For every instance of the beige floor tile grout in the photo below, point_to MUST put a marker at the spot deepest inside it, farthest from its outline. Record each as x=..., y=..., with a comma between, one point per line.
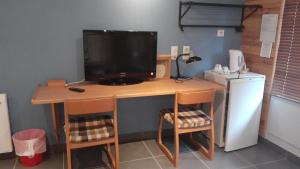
x=269, y=162
x=195, y=155
x=159, y=156
x=245, y=160
x=151, y=154
x=15, y=164
x=254, y=165
x=138, y=159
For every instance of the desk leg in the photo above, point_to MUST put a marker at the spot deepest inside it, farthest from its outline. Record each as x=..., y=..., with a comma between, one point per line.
x=56, y=121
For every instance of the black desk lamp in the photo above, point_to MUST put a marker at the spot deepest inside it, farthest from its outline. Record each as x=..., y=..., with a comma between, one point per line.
x=190, y=60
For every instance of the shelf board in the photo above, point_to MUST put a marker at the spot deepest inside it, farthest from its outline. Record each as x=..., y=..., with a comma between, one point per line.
x=238, y=28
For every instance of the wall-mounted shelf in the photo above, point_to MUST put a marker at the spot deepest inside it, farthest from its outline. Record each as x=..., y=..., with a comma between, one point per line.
x=189, y=4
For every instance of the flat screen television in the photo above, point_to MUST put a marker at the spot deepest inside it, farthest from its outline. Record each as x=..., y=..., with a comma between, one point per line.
x=119, y=57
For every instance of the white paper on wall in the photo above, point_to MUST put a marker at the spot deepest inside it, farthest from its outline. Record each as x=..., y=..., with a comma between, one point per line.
x=268, y=37
x=268, y=34
x=268, y=28
x=266, y=50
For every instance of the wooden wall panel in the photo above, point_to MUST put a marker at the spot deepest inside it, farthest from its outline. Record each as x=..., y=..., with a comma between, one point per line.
x=250, y=45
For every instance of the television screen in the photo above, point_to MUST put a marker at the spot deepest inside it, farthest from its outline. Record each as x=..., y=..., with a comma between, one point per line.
x=119, y=55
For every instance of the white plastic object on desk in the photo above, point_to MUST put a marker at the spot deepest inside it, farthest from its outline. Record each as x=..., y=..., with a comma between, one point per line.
x=236, y=60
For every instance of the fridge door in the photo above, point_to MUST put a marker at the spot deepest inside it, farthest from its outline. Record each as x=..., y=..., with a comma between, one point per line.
x=244, y=109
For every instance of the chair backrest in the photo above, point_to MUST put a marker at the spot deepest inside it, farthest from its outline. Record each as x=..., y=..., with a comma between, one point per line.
x=90, y=106
x=196, y=97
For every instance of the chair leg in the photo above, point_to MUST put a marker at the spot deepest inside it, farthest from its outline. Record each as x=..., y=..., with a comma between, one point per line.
x=111, y=158
x=211, y=150
x=159, y=134
x=169, y=155
x=69, y=157
x=207, y=152
x=176, y=148
x=117, y=161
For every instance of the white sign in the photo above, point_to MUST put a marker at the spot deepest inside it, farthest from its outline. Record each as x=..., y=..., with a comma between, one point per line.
x=268, y=28
x=268, y=34
x=266, y=50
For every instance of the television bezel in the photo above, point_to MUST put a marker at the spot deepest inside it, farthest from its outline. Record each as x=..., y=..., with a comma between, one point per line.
x=121, y=77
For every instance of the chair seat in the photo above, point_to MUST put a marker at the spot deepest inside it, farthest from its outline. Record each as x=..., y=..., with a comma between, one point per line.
x=188, y=117
x=85, y=129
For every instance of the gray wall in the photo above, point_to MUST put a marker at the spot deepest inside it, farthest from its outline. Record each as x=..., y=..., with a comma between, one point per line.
x=42, y=39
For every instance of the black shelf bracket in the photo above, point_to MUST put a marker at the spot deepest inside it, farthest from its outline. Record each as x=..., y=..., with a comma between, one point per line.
x=188, y=5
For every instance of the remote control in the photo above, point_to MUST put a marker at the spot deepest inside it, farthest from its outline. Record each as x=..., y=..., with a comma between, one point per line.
x=74, y=89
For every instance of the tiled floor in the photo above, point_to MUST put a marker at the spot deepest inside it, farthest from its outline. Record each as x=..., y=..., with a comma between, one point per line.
x=147, y=155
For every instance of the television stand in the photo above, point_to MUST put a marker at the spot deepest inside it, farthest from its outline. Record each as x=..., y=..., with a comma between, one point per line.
x=121, y=82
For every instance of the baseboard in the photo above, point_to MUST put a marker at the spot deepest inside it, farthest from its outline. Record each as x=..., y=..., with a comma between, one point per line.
x=4, y=156
x=293, y=158
x=123, y=138
x=272, y=145
x=290, y=156
x=284, y=144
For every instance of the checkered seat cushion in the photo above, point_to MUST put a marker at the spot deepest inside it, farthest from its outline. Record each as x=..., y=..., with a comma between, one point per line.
x=188, y=117
x=85, y=129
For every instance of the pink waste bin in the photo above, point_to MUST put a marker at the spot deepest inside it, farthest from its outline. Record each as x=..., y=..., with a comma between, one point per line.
x=29, y=146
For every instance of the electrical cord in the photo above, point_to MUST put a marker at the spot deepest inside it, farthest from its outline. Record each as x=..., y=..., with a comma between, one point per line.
x=239, y=73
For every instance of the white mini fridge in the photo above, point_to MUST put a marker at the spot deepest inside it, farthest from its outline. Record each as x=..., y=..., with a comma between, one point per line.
x=240, y=111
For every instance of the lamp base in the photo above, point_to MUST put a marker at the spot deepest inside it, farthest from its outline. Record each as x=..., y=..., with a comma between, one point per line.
x=181, y=78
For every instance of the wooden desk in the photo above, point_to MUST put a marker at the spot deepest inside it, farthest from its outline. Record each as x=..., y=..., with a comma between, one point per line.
x=54, y=95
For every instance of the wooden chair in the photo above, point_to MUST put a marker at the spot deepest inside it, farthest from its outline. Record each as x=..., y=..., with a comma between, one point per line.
x=85, y=131
x=188, y=118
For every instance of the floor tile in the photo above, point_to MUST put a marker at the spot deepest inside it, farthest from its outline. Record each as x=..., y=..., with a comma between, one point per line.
x=140, y=164
x=50, y=161
x=224, y=160
x=282, y=164
x=87, y=158
x=198, y=137
x=133, y=151
x=293, y=158
x=259, y=154
x=169, y=143
x=154, y=148
x=136, y=156
x=186, y=161
x=266, y=143
x=9, y=163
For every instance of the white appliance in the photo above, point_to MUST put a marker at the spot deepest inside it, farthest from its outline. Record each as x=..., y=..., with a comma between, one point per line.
x=5, y=134
x=240, y=109
x=236, y=60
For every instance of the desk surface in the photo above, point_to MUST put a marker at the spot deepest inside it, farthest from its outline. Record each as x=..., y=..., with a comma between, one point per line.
x=47, y=95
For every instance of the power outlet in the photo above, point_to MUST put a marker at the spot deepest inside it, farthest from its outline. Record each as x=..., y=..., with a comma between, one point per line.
x=220, y=33
x=186, y=50
x=174, y=52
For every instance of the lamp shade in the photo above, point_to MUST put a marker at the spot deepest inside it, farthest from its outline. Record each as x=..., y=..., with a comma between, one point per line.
x=193, y=59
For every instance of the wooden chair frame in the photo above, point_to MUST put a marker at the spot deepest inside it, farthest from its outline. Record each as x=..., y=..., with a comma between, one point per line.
x=92, y=106
x=186, y=98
